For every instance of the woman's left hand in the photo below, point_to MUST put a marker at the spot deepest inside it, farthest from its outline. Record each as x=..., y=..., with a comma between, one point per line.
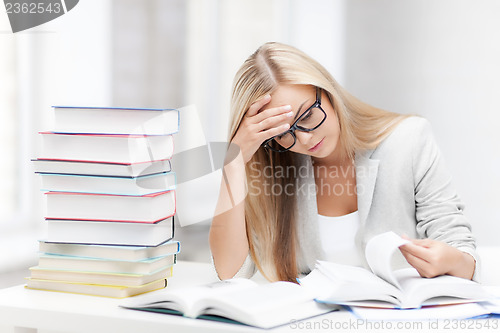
x=432, y=258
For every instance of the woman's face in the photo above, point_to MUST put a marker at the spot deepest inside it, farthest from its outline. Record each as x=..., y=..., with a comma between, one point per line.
x=323, y=141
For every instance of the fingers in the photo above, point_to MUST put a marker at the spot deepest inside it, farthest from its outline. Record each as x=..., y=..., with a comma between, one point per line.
x=426, y=242
x=260, y=124
x=269, y=133
x=270, y=122
x=419, y=264
x=269, y=119
x=274, y=122
x=256, y=106
x=283, y=111
x=257, y=115
x=415, y=250
x=425, y=256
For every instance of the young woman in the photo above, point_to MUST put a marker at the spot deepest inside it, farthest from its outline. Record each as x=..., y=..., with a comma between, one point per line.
x=321, y=172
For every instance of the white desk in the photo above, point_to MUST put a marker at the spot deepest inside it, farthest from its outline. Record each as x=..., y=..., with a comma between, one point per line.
x=33, y=311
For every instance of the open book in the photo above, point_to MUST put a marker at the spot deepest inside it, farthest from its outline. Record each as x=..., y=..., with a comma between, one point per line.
x=236, y=300
x=382, y=287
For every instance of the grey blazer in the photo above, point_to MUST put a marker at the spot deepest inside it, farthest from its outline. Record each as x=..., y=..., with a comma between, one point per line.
x=402, y=186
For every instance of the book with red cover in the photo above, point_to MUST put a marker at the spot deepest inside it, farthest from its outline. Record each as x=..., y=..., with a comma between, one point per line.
x=149, y=208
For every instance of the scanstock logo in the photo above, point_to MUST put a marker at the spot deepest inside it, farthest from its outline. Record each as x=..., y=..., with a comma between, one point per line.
x=26, y=14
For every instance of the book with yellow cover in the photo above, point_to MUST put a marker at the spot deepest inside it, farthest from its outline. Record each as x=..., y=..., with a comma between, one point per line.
x=95, y=289
x=102, y=278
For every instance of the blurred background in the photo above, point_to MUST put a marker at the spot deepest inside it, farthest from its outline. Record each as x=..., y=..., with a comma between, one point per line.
x=435, y=58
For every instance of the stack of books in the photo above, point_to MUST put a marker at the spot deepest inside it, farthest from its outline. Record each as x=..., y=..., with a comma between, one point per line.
x=111, y=201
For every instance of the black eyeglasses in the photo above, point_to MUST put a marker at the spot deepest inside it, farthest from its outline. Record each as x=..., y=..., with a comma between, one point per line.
x=311, y=119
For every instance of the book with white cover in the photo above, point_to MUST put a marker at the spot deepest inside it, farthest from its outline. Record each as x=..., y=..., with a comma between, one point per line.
x=146, y=266
x=110, y=252
x=110, y=233
x=141, y=185
x=240, y=301
x=101, y=168
x=384, y=288
x=106, y=147
x=75, y=119
x=149, y=208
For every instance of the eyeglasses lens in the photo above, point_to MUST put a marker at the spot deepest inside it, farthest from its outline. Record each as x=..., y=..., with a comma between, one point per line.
x=308, y=121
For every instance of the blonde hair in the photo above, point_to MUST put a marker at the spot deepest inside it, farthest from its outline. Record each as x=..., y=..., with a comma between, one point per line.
x=271, y=219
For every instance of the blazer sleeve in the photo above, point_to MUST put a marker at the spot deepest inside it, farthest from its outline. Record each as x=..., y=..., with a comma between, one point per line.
x=247, y=269
x=439, y=210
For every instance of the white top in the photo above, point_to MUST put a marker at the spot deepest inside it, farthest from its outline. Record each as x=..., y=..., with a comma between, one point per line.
x=337, y=238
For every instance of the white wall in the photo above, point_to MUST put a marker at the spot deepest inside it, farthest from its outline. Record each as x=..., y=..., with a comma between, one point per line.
x=439, y=59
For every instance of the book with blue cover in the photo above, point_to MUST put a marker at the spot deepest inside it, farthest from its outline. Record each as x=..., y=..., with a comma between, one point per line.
x=110, y=148
x=67, y=167
x=109, y=120
x=141, y=185
x=128, y=252
x=145, y=266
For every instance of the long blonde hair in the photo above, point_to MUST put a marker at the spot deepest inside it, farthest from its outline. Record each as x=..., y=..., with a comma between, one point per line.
x=271, y=217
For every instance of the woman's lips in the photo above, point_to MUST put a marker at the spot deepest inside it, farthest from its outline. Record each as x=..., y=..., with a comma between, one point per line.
x=316, y=147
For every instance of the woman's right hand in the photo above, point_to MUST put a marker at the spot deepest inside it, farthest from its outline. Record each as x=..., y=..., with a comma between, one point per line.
x=259, y=125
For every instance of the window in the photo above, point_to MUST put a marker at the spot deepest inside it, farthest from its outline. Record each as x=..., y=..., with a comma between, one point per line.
x=65, y=61
x=8, y=123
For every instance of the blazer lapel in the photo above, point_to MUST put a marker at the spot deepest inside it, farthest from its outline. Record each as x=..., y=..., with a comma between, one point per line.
x=366, y=175
x=308, y=235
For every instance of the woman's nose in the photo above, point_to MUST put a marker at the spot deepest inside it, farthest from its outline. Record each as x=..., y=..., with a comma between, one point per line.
x=303, y=137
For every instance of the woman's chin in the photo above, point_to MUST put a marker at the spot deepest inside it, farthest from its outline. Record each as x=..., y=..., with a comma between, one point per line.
x=326, y=152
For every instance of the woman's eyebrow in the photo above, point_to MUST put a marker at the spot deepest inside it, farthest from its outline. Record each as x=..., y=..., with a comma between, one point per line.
x=298, y=111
